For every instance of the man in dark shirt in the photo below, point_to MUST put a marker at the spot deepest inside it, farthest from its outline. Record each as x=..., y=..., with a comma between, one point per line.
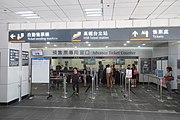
x=75, y=80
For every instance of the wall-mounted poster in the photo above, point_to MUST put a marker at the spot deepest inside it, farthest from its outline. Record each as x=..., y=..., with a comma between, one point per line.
x=145, y=65
x=25, y=58
x=90, y=61
x=13, y=57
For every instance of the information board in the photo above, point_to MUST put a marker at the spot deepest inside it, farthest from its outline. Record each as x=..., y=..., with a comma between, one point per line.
x=40, y=70
x=25, y=58
x=13, y=57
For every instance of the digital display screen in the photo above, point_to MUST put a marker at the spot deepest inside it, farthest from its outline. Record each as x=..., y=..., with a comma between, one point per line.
x=37, y=52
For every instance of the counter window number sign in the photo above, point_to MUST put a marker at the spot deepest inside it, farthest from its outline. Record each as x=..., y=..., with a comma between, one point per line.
x=128, y=73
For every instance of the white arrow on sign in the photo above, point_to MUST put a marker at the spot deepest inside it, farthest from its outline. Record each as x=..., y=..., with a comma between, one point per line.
x=135, y=33
x=12, y=36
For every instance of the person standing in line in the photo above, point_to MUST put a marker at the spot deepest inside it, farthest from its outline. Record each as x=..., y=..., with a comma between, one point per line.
x=167, y=79
x=85, y=75
x=134, y=75
x=75, y=81
x=113, y=74
x=108, y=76
x=100, y=71
x=58, y=68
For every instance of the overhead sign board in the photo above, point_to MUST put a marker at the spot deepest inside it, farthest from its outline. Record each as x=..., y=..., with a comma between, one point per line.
x=95, y=35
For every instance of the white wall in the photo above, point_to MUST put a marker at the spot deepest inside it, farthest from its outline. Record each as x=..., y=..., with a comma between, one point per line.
x=97, y=24
x=160, y=51
x=174, y=54
x=9, y=76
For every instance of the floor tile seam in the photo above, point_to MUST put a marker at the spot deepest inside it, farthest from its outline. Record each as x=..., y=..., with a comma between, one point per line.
x=98, y=109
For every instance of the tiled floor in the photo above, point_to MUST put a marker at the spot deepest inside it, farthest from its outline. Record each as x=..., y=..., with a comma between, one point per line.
x=108, y=105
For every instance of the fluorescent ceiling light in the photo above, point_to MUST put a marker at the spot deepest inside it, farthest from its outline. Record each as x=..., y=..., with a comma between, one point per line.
x=55, y=45
x=90, y=15
x=96, y=9
x=48, y=42
x=33, y=17
x=94, y=12
x=89, y=44
x=143, y=44
x=25, y=12
x=128, y=42
x=26, y=15
x=125, y=44
x=46, y=47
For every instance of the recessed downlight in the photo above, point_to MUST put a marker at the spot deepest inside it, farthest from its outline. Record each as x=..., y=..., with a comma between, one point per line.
x=125, y=44
x=89, y=44
x=128, y=42
x=139, y=46
x=143, y=44
x=48, y=43
x=55, y=45
x=46, y=47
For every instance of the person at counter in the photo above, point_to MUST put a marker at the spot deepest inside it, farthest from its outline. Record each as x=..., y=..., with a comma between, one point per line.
x=58, y=68
x=167, y=79
x=100, y=71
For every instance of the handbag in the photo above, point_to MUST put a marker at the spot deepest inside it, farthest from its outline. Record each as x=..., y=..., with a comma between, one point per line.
x=169, y=78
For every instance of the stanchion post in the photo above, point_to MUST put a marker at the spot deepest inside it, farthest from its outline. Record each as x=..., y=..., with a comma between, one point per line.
x=143, y=81
x=97, y=83
x=125, y=85
x=129, y=90
x=64, y=85
x=92, y=93
x=161, y=99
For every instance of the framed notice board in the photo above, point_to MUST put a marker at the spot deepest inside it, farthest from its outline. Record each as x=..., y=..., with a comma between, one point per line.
x=13, y=57
x=25, y=58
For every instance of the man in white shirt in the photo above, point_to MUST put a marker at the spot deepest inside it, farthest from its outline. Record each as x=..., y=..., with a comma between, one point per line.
x=108, y=76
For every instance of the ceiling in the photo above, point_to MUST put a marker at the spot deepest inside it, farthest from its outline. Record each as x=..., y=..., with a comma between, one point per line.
x=73, y=10
x=99, y=44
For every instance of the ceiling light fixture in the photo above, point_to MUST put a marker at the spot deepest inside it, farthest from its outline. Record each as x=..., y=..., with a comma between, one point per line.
x=46, y=47
x=48, y=42
x=139, y=46
x=143, y=44
x=125, y=44
x=25, y=12
x=106, y=46
x=93, y=9
x=55, y=45
x=33, y=17
x=89, y=44
x=93, y=12
x=94, y=15
x=26, y=15
x=75, y=47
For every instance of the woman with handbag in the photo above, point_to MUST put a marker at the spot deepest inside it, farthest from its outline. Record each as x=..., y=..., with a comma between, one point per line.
x=168, y=78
